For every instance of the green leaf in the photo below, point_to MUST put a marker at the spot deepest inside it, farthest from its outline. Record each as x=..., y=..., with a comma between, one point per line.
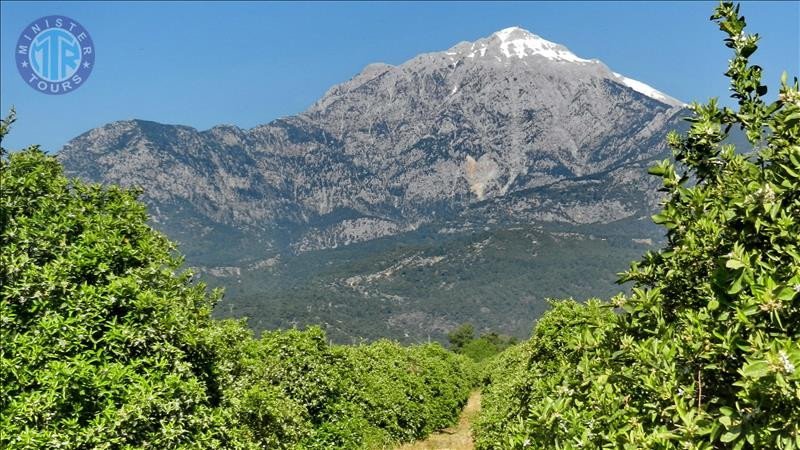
x=756, y=370
x=731, y=435
x=734, y=264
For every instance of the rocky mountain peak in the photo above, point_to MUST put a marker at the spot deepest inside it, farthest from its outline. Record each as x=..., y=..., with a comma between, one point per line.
x=516, y=48
x=482, y=146
x=512, y=123
x=515, y=43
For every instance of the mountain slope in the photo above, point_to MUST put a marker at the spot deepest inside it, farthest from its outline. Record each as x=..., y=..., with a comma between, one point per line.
x=423, y=283
x=510, y=129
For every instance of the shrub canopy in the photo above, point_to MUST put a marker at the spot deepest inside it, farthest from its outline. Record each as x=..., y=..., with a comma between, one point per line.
x=706, y=349
x=107, y=343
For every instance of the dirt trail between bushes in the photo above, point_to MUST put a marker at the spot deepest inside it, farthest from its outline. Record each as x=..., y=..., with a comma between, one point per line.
x=457, y=437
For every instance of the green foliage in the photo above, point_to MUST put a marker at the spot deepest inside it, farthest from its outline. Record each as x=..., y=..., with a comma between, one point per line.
x=499, y=278
x=460, y=336
x=408, y=392
x=100, y=330
x=705, y=350
x=291, y=388
x=108, y=344
x=480, y=349
x=462, y=340
x=521, y=398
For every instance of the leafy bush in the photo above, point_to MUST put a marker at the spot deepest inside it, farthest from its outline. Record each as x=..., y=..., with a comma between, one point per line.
x=463, y=341
x=704, y=354
x=520, y=383
x=292, y=388
x=407, y=392
x=108, y=344
x=100, y=331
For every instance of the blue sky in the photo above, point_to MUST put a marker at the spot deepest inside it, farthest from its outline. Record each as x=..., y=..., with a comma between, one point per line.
x=206, y=63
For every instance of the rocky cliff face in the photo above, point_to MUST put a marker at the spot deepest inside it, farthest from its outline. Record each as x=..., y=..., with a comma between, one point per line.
x=510, y=127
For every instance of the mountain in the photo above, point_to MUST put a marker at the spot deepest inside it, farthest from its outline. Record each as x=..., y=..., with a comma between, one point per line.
x=486, y=137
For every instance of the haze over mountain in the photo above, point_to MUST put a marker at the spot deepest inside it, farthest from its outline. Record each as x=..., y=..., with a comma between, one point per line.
x=508, y=142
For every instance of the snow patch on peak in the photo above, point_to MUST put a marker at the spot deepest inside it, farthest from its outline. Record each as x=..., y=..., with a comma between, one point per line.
x=516, y=41
x=510, y=32
x=647, y=90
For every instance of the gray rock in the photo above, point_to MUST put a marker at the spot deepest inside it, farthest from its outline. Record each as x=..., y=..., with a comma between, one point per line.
x=510, y=127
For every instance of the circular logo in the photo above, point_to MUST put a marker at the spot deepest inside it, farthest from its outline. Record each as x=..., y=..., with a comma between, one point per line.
x=55, y=55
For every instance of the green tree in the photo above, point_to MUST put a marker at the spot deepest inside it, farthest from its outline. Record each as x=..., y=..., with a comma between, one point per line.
x=486, y=346
x=100, y=329
x=720, y=304
x=460, y=336
x=479, y=349
x=706, y=350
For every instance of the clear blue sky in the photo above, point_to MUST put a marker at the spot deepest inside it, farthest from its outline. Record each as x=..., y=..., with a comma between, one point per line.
x=206, y=63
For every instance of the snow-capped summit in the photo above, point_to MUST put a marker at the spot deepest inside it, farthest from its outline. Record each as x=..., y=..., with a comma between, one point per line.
x=518, y=42
x=515, y=45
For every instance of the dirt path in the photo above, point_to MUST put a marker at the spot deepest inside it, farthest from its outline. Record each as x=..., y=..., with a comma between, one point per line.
x=453, y=438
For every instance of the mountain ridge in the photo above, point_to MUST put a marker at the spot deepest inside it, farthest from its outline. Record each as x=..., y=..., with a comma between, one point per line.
x=519, y=134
